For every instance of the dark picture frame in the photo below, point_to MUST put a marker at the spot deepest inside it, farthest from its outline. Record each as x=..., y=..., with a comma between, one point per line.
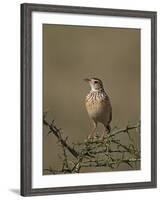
x=26, y=98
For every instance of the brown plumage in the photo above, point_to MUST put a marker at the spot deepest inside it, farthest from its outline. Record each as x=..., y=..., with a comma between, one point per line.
x=98, y=105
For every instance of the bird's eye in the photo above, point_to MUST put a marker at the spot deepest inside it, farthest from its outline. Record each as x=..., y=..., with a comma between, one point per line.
x=95, y=81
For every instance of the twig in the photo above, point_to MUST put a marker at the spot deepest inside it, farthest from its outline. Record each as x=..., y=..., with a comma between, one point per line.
x=56, y=132
x=96, y=152
x=124, y=130
x=107, y=162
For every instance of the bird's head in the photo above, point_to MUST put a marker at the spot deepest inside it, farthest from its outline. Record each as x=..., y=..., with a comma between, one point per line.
x=95, y=83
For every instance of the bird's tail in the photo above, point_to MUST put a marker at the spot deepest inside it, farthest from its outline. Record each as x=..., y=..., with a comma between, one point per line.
x=108, y=128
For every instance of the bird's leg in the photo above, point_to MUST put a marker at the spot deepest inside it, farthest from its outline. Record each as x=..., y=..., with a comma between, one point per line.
x=94, y=130
x=107, y=129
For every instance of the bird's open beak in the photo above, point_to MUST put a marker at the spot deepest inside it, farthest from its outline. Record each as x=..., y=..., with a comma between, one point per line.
x=87, y=79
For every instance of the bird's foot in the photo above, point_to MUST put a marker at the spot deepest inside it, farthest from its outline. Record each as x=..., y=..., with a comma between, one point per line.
x=89, y=137
x=101, y=138
x=96, y=136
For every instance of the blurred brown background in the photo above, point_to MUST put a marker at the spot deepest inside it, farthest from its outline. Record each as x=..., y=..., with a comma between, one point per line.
x=72, y=53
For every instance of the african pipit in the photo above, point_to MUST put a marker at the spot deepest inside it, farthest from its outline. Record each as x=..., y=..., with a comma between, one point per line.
x=98, y=106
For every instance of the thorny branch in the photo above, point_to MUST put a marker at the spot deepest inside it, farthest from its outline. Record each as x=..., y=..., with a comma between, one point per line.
x=108, y=152
x=53, y=129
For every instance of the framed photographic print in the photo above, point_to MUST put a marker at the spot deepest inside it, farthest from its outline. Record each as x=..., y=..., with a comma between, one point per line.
x=88, y=99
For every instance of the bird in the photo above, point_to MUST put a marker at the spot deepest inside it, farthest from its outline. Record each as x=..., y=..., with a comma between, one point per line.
x=98, y=106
